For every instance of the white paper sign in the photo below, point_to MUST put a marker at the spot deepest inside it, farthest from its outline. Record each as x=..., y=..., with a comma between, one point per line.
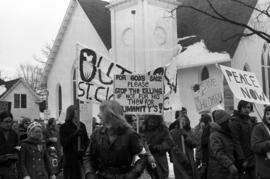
x=139, y=94
x=207, y=94
x=244, y=85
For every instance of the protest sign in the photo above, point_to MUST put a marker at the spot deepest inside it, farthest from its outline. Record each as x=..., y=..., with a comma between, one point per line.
x=96, y=72
x=244, y=85
x=95, y=78
x=139, y=94
x=207, y=94
x=5, y=106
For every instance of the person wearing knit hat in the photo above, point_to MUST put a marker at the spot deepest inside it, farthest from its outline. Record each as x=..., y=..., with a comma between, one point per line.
x=260, y=144
x=221, y=162
x=34, y=159
x=241, y=127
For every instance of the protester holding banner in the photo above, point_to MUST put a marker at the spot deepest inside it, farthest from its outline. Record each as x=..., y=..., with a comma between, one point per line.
x=221, y=163
x=74, y=139
x=159, y=142
x=113, y=147
x=8, y=143
x=175, y=124
x=260, y=143
x=183, y=160
x=241, y=127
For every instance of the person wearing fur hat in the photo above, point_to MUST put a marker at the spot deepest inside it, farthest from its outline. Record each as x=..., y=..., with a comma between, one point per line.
x=23, y=128
x=221, y=162
x=159, y=141
x=34, y=159
x=241, y=128
x=260, y=144
x=8, y=142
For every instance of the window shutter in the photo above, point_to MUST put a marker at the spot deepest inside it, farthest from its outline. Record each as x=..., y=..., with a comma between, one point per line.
x=16, y=100
x=23, y=101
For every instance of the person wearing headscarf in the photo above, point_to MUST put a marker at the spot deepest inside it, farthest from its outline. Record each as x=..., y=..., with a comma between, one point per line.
x=260, y=144
x=241, y=127
x=8, y=143
x=159, y=141
x=34, y=159
x=175, y=124
x=183, y=154
x=113, y=147
x=221, y=161
x=74, y=140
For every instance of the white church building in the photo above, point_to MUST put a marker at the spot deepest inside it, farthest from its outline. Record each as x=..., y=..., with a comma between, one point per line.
x=144, y=34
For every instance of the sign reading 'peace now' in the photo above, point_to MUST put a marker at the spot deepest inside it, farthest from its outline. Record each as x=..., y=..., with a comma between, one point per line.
x=244, y=85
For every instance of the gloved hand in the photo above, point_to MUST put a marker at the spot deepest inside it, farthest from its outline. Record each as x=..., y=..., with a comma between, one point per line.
x=233, y=171
x=26, y=177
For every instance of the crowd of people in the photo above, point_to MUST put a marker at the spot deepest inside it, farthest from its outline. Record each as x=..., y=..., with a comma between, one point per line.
x=221, y=146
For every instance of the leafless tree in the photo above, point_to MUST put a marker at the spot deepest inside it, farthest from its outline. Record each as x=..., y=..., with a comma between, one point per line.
x=211, y=9
x=30, y=74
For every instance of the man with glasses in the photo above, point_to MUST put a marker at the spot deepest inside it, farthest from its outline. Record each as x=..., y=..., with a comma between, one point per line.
x=241, y=127
x=8, y=143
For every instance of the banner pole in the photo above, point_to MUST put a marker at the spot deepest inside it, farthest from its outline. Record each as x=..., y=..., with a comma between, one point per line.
x=138, y=123
x=182, y=137
x=255, y=106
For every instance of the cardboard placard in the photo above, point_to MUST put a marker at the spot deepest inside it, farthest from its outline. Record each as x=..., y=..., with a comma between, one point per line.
x=207, y=94
x=244, y=85
x=140, y=94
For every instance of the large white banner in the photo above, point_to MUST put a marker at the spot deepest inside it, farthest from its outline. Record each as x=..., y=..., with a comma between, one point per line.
x=207, y=94
x=244, y=85
x=139, y=94
x=96, y=72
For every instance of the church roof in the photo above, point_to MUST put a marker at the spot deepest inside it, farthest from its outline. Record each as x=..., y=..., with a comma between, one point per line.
x=100, y=17
x=216, y=34
x=8, y=85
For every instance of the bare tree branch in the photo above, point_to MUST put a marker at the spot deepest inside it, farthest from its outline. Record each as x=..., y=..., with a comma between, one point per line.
x=218, y=16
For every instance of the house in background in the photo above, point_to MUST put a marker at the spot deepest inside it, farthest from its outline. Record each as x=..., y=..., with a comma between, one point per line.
x=24, y=100
x=142, y=32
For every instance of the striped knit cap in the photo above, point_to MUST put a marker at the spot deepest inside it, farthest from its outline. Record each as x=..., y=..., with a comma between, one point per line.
x=32, y=126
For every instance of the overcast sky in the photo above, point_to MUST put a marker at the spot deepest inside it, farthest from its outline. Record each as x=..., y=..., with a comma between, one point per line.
x=25, y=28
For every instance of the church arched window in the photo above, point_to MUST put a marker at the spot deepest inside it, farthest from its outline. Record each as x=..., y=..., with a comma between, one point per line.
x=204, y=74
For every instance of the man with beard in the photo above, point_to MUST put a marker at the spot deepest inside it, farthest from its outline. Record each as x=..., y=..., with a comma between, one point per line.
x=241, y=128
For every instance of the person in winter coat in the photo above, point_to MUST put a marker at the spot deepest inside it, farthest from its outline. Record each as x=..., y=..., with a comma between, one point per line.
x=8, y=143
x=241, y=127
x=159, y=141
x=34, y=159
x=113, y=147
x=198, y=130
x=74, y=140
x=183, y=161
x=260, y=144
x=221, y=162
x=175, y=124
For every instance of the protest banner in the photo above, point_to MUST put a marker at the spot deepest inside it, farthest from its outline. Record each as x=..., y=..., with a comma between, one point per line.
x=5, y=106
x=244, y=85
x=96, y=72
x=139, y=94
x=207, y=94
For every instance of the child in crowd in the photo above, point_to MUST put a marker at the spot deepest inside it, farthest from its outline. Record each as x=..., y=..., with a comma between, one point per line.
x=34, y=159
